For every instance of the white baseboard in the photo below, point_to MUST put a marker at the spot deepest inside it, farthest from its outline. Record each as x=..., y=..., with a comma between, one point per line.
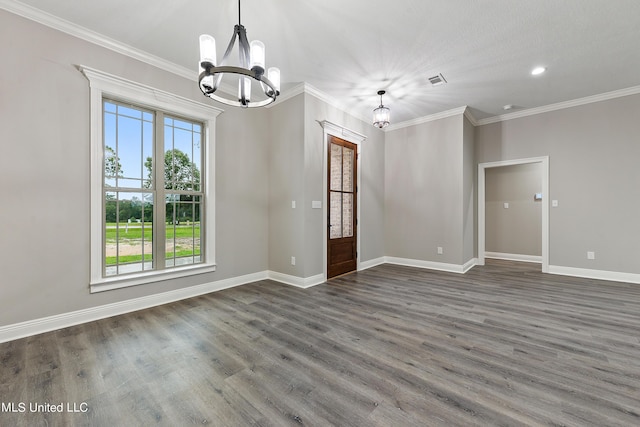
x=300, y=282
x=52, y=323
x=440, y=266
x=613, y=276
x=469, y=264
x=514, y=257
x=371, y=263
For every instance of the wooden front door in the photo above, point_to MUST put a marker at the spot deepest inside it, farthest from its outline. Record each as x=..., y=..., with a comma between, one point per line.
x=342, y=188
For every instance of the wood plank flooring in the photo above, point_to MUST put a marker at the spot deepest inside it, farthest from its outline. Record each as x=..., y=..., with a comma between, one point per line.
x=390, y=346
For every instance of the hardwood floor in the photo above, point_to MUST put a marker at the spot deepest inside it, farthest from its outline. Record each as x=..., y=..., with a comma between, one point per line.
x=389, y=346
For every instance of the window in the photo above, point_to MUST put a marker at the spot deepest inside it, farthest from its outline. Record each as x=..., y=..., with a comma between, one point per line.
x=141, y=168
x=152, y=186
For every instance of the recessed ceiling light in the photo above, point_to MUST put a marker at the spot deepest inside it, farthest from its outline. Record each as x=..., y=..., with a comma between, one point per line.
x=508, y=107
x=538, y=70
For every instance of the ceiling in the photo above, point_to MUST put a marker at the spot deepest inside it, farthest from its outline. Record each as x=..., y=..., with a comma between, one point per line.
x=349, y=49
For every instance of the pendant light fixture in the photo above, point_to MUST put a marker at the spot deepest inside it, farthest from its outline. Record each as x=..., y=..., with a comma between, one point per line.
x=382, y=114
x=251, y=69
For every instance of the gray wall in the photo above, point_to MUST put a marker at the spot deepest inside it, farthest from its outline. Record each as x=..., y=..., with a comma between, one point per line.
x=44, y=170
x=518, y=229
x=593, y=154
x=469, y=196
x=424, y=191
x=286, y=168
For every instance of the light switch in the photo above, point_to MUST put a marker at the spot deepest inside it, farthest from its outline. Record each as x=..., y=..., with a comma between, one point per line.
x=316, y=204
x=293, y=204
x=506, y=205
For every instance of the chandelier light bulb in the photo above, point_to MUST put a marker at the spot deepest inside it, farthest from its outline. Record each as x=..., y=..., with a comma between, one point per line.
x=207, y=50
x=274, y=76
x=257, y=54
x=246, y=82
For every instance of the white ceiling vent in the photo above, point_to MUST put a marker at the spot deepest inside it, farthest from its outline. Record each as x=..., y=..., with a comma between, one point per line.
x=437, y=80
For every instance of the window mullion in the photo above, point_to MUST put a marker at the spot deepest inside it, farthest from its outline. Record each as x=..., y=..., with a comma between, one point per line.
x=159, y=219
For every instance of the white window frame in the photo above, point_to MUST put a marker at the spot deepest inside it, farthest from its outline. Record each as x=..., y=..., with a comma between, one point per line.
x=104, y=85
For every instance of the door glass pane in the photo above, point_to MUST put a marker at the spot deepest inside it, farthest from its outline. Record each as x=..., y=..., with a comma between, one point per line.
x=335, y=215
x=335, y=181
x=347, y=169
x=347, y=215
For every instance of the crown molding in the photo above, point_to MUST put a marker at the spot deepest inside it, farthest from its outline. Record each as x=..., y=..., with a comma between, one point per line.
x=312, y=90
x=90, y=36
x=431, y=118
x=309, y=89
x=470, y=117
x=634, y=90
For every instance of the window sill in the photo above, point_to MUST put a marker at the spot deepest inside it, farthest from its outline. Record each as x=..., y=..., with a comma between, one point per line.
x=107, y=284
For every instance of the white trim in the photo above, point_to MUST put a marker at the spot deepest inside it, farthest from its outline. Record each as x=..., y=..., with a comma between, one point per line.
x=545, y=205
x=51, y=323
x=102, y=84
x=613, y=276
x=514, y=257
x=371, y=263
x=469, y=264
x=328, y=99
x=110, y=283
x=309, y=89
x=354, y=137
x=469, y=115
x=298, y=282
x=634, y=90
x=147, y=95
x=430, y=265
x=431, y=118
x=91, y=36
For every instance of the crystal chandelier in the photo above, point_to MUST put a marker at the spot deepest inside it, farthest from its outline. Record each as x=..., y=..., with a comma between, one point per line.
x=382, y=114
x=251, y=69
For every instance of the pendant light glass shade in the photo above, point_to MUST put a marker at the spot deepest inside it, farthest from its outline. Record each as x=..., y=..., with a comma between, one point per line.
x=382, y=114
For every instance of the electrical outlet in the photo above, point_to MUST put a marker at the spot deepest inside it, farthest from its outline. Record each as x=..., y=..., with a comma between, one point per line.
x=591, y=255
x=293, y=260
x=440, y=250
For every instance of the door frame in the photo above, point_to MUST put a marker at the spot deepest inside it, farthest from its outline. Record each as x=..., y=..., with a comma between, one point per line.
x=332, y=129
x=545, y=205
